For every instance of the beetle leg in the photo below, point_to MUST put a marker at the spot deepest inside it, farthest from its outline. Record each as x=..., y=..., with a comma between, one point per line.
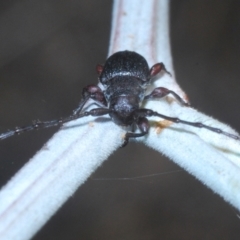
x=143, y=126
x=157, y=68
x=94, y=92
x=162, y=92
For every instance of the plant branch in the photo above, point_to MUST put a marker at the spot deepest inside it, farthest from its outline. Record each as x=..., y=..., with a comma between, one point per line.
x=39, y=189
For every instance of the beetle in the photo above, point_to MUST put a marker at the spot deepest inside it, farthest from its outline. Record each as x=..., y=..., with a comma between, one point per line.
x=124, y=77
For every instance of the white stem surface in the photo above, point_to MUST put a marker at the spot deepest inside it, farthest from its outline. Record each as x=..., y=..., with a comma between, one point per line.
x=39, y=189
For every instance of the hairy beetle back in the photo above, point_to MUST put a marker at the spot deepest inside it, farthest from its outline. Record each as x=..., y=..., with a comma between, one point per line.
x=125, y=63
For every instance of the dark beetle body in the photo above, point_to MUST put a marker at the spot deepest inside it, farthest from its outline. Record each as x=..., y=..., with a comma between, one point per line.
x=125, y=63
x=124, y=76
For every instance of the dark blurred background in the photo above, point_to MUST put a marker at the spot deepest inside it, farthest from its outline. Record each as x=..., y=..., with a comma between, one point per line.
x=48, y=52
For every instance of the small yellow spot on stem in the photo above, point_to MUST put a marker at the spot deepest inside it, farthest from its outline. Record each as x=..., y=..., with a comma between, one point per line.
x=161, y=125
